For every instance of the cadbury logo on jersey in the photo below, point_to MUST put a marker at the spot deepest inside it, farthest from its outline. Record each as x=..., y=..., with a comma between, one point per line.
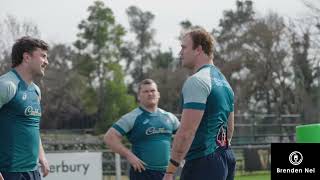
x=153, y=130
x=30, y=111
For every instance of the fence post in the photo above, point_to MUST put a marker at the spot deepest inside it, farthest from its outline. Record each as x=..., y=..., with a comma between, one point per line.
x=118, y=166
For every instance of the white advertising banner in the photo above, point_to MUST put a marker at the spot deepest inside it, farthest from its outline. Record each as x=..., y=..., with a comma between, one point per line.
x=75, y=166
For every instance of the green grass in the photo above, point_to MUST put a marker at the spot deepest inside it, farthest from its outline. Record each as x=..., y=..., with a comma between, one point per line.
x=254, y=176
x=251, y=176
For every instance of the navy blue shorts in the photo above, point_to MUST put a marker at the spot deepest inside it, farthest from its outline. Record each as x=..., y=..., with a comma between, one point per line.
x=146, y=175
x=31, y=175
x=219, y=165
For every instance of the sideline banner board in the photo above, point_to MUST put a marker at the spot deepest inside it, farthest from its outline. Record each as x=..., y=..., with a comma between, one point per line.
x=75, y=166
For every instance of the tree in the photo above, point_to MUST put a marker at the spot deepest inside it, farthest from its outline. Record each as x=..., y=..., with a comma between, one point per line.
x=254, y=54
x=10, y=30
x=229, y=55
x=309, y=72
x=139, y=60
x=170, y=80
x=61, y=95
x=99, y=43
x=119, y=101
x=164, y=60
x=269, y=75
x=170, y=83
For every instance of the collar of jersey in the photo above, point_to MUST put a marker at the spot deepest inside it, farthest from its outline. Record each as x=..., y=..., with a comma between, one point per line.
x=148, y=112
x=20, y=78
x=205, y=66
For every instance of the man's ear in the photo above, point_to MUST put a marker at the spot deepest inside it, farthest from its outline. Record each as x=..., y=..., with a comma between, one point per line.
x=26, y=56
x=199, y=49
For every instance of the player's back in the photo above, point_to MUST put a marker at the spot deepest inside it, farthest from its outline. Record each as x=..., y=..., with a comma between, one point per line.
x=217, y=103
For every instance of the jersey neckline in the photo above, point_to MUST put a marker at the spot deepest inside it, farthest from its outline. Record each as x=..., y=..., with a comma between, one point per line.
x=205, y=66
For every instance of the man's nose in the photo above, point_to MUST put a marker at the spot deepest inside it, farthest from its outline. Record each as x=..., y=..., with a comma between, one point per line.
x=46, y=61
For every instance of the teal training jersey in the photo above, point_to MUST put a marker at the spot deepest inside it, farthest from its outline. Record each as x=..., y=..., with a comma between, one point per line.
x=20, y=113
x=208, y=90
x=150, y=135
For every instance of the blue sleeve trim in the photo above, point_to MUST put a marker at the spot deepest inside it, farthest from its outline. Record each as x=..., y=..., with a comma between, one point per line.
x=119, y=129
x=199, y=106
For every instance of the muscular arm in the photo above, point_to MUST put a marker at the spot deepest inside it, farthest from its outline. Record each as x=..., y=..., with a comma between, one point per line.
x=190, y=121
x=43, y=161
x=113, y=139
x=230, y=126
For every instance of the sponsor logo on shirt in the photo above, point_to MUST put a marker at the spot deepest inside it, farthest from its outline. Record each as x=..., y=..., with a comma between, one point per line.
x=30, y=111
x=153, y=130
x=24, y=96
x=222, y=137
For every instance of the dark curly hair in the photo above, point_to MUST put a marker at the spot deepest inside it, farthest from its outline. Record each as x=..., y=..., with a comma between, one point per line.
x=25, y=44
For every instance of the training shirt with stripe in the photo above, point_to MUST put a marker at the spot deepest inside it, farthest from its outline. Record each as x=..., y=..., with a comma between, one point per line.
x=20, y=113
x=150, y=135
x=208, y=90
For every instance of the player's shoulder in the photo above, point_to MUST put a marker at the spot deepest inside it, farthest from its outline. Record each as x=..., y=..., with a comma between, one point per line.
x=162, y=111
x=198, y=79
x=9, y=81
x=204, y=74
x=132, y=114
x=167, y=113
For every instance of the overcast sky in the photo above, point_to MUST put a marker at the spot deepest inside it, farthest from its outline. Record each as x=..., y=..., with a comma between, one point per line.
x=57, y=20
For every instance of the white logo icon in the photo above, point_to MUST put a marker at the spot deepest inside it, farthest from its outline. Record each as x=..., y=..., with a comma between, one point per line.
x=24, y=96
x=295, y=158
x=146, y=121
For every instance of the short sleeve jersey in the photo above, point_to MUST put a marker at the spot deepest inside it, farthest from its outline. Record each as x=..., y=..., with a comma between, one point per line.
x=150, y=135
x=208, y=90
x=20, y=113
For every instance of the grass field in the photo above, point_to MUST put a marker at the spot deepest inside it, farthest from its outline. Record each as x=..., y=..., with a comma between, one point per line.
x=246, y=176
x=254, y=176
